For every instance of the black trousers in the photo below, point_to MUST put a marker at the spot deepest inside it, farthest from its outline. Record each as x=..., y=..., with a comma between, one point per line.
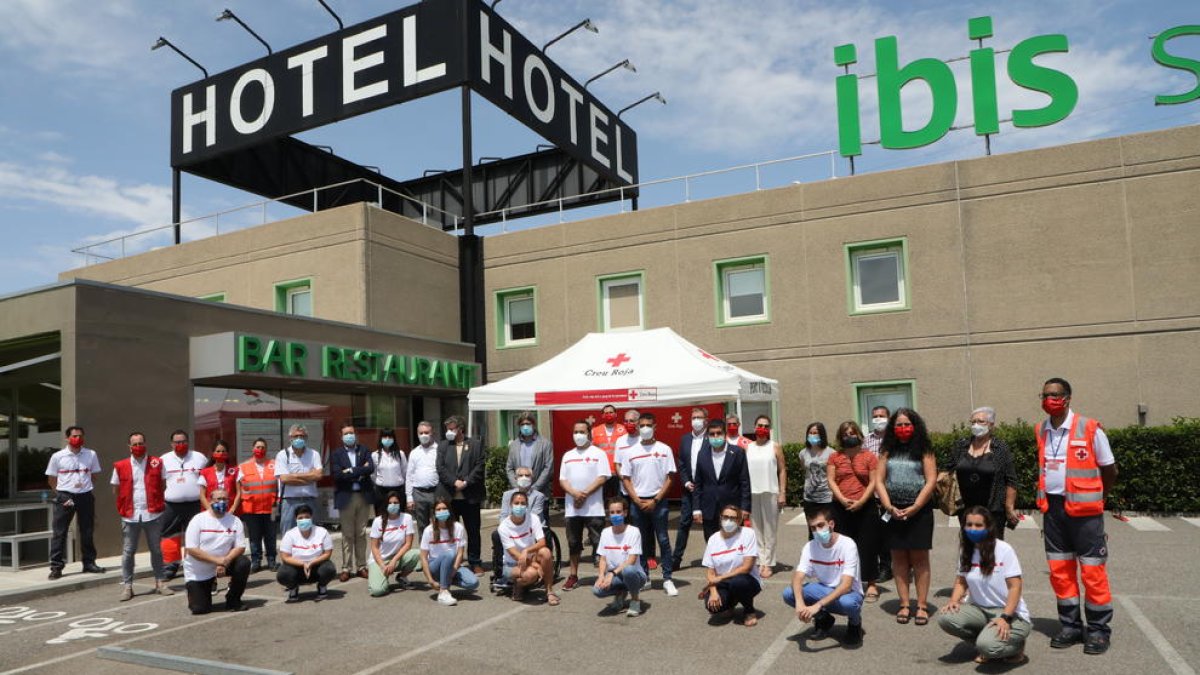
x=199, y=593
x=177, y=515
x=84, y=508
x=864, y=527
x=290, y=576
x=471, y=520
x=260, y=530
x=737, y=590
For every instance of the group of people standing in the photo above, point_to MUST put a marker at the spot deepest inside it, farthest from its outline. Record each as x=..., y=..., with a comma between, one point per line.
x=868, y=499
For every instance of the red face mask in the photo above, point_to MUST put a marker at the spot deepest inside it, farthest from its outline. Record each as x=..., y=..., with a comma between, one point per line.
x=905, y=434
x=180, y=448
x=1054, y=406
x=75, y=441
x=631, y=428
x=731, y=430
x=259, y=453
x=608, y=418
x=138, y=451
x=762, y=433
x=220, y=457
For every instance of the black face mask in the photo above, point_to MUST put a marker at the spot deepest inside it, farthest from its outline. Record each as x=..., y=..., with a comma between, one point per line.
x=851, y=442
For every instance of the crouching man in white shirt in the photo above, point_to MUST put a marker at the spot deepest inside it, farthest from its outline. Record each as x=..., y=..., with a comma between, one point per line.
x=215, y=542
x=831, y=559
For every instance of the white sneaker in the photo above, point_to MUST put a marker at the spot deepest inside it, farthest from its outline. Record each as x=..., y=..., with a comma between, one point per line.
x=669, y=588
x=647, y=586
x=445, y=598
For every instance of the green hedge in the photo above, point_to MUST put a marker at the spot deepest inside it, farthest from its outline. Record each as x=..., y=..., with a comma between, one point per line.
x=1159, y=467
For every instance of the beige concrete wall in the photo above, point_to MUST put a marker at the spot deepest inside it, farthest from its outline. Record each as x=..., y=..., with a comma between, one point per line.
x=412, y=273
x=1074, y=261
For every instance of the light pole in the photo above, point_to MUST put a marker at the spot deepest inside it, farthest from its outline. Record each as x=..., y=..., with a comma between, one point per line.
x=228, y=15
x=176, y=186
x=333, y=14
x=585, y=24
x=164, y=42
x=656, y=95
x=626, y=64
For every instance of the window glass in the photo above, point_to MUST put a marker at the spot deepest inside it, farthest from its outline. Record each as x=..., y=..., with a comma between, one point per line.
x=622, y=303
x=745, y=293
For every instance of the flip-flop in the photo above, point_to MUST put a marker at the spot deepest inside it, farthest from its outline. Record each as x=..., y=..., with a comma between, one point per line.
x=552, y=599
x=904, y=615
x=921, y=620
x=872, y=595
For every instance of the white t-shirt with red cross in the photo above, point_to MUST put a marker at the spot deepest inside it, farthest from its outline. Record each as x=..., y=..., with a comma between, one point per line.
x=182, y=475
x=829, y=565
x=581, y=468
x=992, y=590
x=215, y=536
x=307, y=548
x=443, y=544
x=648, y=466
x=519, y=535
x=616, y=548
x=391, y=537
x=73, y=469
x=724, y=553
x=1059, y=442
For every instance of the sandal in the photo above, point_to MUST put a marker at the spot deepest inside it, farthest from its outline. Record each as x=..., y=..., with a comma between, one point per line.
x=750, y=620
x=922, y=617
x=872, y=595
x=552, y=599
x=904, y=615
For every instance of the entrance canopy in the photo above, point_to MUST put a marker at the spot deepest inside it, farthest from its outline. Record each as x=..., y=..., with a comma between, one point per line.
x=649, y=368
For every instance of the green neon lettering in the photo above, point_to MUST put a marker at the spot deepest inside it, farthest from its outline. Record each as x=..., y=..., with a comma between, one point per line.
x=983, y=79
x=892, y=78
x=249, y=354
x=333, y=363
x=393, y=368
x=1159, y=52
x=297, y=356
x=849, y=123
x=1059, y=86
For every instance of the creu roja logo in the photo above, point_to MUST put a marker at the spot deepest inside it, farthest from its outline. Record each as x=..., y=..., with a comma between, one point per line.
x=615, y=371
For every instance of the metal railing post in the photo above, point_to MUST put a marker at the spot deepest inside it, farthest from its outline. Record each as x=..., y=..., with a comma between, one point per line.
x=757, y=178
x=621, y=193
x=424, y=213
x=832, y=164
x=560, y=209
x=379, y=198
x=315, y=199
x=687, y=189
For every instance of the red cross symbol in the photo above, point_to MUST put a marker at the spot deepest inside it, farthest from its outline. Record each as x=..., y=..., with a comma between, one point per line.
x=676, y=418
x=707, y=355
x=1081, y=454
x=617, y=360
x=632, y=393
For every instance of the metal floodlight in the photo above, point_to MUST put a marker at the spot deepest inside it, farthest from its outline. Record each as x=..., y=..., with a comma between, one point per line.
x=164, y=42
x=228, y=15
x=494, y=3
x=333, y=14
x=626, y=64
x=585, y=24
x=656, y=96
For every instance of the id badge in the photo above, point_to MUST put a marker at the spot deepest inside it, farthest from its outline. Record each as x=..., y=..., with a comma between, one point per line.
x=1054, y=464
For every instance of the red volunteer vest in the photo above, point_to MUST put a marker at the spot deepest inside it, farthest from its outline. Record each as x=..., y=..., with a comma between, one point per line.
x=228, y=481
x=1083, y=493
x=154, y=486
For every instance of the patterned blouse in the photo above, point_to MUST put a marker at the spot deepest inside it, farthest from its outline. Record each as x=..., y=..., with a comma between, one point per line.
x=1005, y=473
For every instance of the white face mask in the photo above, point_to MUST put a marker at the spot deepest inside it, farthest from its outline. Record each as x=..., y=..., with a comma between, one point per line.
x=879, y=423
x=451, y=434
x=646, y=433
x=581, y=440
x=728, y=525
x=698, y=424
x=979, y=429
x=524, y=482
x=424, y=438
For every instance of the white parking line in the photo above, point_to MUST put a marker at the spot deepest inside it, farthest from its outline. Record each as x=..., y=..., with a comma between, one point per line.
x=1156, y=638
x=99, y=611
x=1027, y=523
x=438, y=643
x=1147, y=524
x=1192, y=521
x=799, y=520
x=772, y=652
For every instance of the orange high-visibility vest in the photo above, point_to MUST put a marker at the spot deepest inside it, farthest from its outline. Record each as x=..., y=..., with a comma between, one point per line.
x=259, y=491
x=1084, y=490
x=608, y=443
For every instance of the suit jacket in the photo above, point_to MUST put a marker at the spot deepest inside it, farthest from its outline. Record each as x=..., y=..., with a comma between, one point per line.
x=543, y=463
x=470, y=469
x=686, y=470
x=714, y=492
x=360, y=472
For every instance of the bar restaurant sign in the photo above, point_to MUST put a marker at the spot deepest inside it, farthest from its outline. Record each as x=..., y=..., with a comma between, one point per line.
x=242, y=353
x=1058, y=87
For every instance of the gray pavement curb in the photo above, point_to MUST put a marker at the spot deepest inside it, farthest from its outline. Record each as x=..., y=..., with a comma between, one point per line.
x=72, y=583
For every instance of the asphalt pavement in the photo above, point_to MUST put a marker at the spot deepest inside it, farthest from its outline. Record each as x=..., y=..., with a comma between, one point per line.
x=1151, y=567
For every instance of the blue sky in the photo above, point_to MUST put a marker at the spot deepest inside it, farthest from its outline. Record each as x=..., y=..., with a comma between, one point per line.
x=84, y=103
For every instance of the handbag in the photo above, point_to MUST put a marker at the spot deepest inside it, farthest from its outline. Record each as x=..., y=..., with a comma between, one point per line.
x=949, y=497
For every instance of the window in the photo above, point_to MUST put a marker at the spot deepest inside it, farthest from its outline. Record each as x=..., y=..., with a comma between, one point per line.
x=742, y=291
x=516, y=318
x=621, y=302
x=878, y=276
x=214, y=297
x=294, y=297
x=892, y=395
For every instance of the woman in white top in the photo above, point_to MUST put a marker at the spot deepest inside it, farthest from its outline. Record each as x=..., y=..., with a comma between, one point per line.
x=390, y=467
x=442, y=546
x=732, y=575
x=768, y=491
x=995, y=618
x=392, y=550
x=815, y=459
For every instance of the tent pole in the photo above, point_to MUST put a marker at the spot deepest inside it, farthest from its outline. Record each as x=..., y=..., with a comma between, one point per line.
x=741, y=422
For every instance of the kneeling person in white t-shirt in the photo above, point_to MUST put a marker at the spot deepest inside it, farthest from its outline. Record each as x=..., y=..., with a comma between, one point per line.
x=392, y=549
x=526, y=558
x=306, y=550
x=214, y=543
x=620, y=566
x=731, y=556
x=442, y=545
x=831, y=559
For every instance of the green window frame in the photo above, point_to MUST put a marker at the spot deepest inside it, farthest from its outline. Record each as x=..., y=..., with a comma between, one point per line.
x=213, y=297
x=504, y=310
x=864, y=390
x=877, y=257
x=286, y=291
x=604, y=284
x=727, y=273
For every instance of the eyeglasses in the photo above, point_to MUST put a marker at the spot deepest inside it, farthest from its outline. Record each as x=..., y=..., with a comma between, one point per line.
x=900, y=425
x=762, y=426
x=981, y=422
x=1053, y=396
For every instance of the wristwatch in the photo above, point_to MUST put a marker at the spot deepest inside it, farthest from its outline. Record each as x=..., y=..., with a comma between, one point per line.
x=1008, y=618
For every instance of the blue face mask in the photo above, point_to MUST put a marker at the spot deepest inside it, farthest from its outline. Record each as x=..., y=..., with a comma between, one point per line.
x=617, y=519
x=520, y=510
x=219, y=508
x=393, y=509
x=526, y=429
x=349, y=440
x=304, y=523
x=387, y=442
x=814, y=440
x=442, y=516
x=976, y=536
x=823, y=536
x=298, y=443
x=716, y=442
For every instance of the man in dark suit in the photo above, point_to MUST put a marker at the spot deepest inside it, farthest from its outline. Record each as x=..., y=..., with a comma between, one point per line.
x=690, y=446
x=460, y=476
x=721, y=477
x=351, y=467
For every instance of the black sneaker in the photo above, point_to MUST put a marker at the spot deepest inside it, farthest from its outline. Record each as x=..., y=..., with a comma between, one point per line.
x=93, y=569
x=239, y=607
x=854, y=634
x=255, y=567
x=55, y=573
x=1066, y=638
x=293, y=595
x=322, y=592
x=170, y=571
x=822, y=622
x=1096, y=643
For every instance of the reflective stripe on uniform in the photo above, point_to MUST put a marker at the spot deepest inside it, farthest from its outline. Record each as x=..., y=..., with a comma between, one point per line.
x=1085, y=497
x=1083, y=473
x=1092, y=561
x=1072, y=601
x=1055, y=555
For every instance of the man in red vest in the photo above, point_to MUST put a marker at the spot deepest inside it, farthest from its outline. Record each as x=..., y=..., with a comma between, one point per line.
x=1077, y=469
x=138, y=486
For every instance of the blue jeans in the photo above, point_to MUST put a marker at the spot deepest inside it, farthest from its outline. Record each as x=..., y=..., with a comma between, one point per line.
x=653, y=527
x=849, y=605
x=630, y=581
x=442, y=568
x=287, y=517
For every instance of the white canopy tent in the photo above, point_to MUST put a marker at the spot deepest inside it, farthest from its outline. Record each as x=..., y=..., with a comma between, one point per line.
x=647, y=368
